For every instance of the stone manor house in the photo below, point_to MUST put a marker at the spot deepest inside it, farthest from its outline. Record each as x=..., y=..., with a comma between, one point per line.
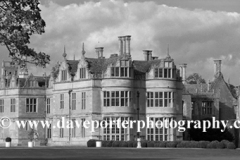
x=105, y=88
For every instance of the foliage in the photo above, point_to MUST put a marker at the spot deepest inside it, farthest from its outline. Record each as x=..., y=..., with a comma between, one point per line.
x=91, y=143
x=150, y=144
x=162, y=144
x=211, y=134
x=231, y=145
x=189, y=144
x=116, y=144
x=172, y=144
x=195, y=78
x=123, y=144
x=144, y=143
x=19, y=19
x=215, y=145
x=203, y=144
x=130, y=143
x=8, y=139
x=32, y=135
x=169, y=144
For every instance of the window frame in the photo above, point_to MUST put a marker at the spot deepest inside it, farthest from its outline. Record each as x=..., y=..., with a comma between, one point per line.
x=31, y=105
x=13, y=105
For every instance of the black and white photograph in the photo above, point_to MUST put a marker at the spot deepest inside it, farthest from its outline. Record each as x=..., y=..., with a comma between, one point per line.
x=120, y=79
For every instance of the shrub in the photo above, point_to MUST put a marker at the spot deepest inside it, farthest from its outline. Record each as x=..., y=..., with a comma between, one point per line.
x=134, y=144
x=194, y=144
x=203, y=144
x=104, y=143
x=220, y=145
x=162, y=144
x=91, y=143
x=123, y=144
x=8, y=139
x=144, y=143
x=109, y=144
x=225, y=143
x=231, y=145
x=156, y=144
x=183, y=144
x=215, y=144
x=130, y=143
x=172, y=144
x=150, y=144
x=116, y=144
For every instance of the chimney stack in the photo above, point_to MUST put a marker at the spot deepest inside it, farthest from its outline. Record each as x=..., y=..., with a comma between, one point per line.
x=124, y=45
x=120, y=38
x=147, y=55
x=183, y=72
x=217, y=66
x=128, y=39
x=99, y=51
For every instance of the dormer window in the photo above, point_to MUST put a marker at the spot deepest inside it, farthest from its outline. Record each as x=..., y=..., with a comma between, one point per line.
x=64, y=75
x=123, y=71
x=82, y=73
x=168, y=71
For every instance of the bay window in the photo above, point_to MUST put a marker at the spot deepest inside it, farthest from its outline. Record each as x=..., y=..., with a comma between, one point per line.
x=117, y=98
x=160, y=99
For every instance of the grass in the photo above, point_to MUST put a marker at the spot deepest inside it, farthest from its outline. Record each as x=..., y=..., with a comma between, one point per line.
x=118, y=153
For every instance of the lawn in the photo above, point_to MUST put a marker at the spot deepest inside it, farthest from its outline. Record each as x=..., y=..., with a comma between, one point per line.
x=118, y=153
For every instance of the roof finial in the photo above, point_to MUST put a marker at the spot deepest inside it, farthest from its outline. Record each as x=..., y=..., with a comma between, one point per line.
x=74, y=57
x=64, y=53
x=83, y=51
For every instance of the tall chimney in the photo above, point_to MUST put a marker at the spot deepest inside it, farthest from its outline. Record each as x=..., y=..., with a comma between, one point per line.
x=99, y=51
x=128, y=39
x=124, y=44
x=217, y=66
x=147, y=55
x=183, y=72
x=120, y=38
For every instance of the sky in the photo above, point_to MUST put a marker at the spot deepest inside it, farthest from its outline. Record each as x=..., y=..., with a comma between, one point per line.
x=197, y=32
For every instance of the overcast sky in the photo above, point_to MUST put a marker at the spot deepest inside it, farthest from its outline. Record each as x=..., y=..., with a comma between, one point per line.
x=197, y=31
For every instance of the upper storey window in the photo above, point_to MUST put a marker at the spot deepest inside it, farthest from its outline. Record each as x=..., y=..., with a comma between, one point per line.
x=64, y=75
x=166, y=72
x=82, y=73
x=124, y=70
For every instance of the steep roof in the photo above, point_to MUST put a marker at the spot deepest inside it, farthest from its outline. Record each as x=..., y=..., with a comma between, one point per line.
x=99, y=65
x=72, y=66
x=219, y=78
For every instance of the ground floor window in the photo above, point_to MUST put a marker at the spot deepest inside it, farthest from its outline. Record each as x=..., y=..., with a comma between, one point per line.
x=49, y=131
x=163, y=133
x=115, y=133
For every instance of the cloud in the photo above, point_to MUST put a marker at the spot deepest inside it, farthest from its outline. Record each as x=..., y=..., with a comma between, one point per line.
x=195, y=37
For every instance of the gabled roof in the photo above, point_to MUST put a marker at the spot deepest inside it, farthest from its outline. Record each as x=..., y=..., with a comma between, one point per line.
x=219, y=78
x=72, y=66
x=144, y=66
x=99, y=65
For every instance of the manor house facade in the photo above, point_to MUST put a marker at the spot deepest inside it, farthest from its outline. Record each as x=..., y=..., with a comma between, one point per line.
x=94, y=89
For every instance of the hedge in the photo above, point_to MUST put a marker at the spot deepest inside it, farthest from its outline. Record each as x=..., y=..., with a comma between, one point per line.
x=167, y=144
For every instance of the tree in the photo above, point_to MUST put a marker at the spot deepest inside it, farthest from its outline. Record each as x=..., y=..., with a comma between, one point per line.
x=195, y=78
x=19, y=19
